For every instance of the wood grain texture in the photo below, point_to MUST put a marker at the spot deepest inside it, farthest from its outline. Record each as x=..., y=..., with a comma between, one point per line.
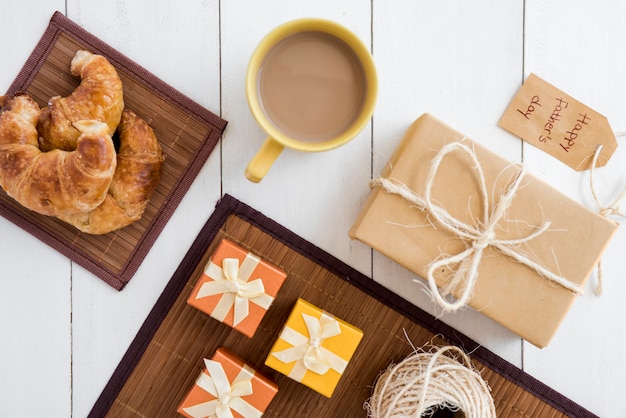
x=194, y=69
x=165, y=358
x=434, y=49
x=588, y=63
x=35, y=297
x=460, y=61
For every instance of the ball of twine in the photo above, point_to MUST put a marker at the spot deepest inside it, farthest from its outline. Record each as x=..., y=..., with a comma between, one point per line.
x=427, y=381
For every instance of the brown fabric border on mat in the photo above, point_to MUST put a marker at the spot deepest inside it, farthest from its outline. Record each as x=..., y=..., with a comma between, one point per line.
x=115, y=257
x=518, y=389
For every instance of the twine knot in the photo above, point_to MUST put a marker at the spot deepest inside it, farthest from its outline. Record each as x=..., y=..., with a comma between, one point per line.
x=480, y=237
x=484, y=240
x=610, y=211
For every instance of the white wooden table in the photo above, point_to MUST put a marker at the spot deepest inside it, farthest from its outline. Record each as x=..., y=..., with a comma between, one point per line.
x=63, y=331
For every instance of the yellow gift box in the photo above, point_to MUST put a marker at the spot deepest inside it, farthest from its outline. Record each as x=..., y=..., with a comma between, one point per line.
x=314, y=348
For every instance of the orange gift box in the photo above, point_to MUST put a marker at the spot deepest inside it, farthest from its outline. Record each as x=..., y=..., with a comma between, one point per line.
x=237, y=287
x=228, y=385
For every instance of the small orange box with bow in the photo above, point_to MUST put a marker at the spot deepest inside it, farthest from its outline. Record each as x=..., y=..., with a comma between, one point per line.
x=228, y=387
x=237, y=287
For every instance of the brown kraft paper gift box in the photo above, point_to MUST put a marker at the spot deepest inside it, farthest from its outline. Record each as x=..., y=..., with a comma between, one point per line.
x=507, y=291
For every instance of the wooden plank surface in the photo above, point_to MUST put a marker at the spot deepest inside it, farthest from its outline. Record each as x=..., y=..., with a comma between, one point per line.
x=587, y=63
x=461, y=61
x=35, y=281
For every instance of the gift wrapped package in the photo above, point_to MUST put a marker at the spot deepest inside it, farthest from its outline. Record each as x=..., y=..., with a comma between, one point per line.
x=481, y=230
x=228, y=387
x=237, y=287
x=314, y=348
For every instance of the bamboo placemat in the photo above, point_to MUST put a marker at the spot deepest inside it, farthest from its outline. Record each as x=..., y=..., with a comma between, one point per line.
x=166, y=356
x=186, y=131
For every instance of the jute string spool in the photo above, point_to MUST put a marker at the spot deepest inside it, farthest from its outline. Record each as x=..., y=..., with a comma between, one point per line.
x=427, y=381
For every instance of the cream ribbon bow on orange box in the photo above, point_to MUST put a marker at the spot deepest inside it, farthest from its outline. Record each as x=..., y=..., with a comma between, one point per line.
x=307, y=351
x=228, y=396
x=232, y=281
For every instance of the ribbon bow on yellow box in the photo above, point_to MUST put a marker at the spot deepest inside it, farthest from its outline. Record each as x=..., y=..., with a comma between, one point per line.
x=314, y=348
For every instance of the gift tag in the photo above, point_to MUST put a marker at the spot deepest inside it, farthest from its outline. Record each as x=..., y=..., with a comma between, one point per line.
x=556, y=123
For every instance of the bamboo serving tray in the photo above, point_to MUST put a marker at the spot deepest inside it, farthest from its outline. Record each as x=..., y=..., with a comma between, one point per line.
x=165, y=357
x=186, y=131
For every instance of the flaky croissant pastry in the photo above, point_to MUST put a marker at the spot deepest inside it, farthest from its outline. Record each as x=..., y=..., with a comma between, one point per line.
x=56, y=183
x=99, y=96
x=139, y=161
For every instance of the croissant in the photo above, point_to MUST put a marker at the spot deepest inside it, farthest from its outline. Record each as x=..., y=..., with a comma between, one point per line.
x=55, y=183
x=138, y=173
x=99, y=96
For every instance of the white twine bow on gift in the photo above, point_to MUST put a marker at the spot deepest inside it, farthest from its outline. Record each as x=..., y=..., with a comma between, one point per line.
x=480, y=236
x=307, y=351
x=228, y=396
x=231, y=281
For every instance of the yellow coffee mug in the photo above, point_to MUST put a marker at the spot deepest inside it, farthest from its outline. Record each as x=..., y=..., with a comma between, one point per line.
x=311, y=85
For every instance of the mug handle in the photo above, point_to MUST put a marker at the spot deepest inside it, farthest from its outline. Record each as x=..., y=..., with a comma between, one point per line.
x=260, y=164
